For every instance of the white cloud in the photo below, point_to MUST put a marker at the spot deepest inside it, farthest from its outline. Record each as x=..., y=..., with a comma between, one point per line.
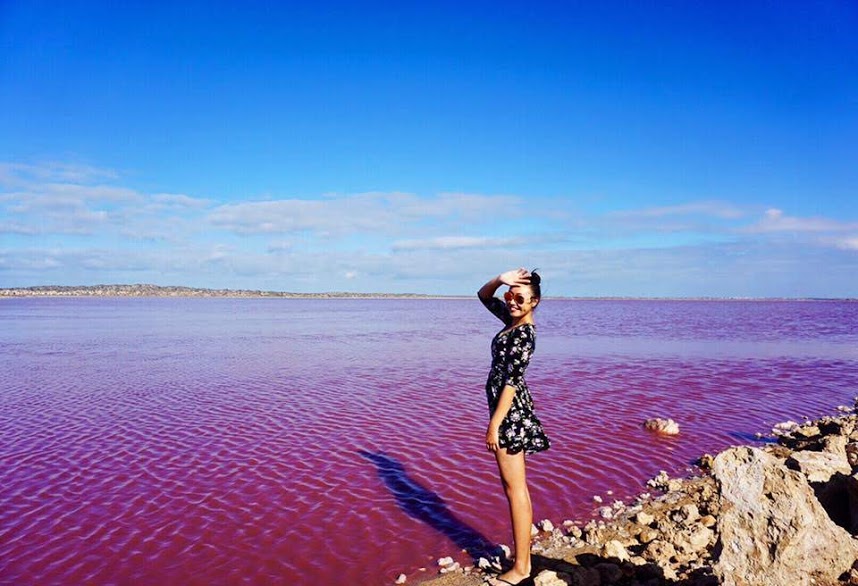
x=774, y=220
x=715, y=209
x=38, y=204
x=373, y=242
x=455, y=242
x=850, y=243
x=279, y=246
x=17, y=228
x=178, y=200
x=22, y=173
x=383, y=213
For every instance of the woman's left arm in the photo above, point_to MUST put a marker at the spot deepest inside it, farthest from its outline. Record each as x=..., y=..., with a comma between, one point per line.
x=521, y=349
x=503, y=407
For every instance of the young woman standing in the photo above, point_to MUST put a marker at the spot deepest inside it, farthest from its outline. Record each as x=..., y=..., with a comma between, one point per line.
x=514, y=430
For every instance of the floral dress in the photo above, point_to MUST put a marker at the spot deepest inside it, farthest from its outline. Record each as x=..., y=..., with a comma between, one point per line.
x=511, y=352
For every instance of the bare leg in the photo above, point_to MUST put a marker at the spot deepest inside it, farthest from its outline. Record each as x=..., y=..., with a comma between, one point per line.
x=512, y=473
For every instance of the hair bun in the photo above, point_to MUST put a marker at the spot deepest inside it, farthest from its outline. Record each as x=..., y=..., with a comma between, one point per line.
x=535, y=279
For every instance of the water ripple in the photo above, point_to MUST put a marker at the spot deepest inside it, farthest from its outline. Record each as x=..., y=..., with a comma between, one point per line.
x=309, y=442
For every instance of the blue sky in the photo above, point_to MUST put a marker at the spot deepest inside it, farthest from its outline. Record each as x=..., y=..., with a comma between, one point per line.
x=626, y=148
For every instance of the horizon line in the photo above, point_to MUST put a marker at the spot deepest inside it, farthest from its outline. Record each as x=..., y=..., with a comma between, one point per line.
x=64, y=290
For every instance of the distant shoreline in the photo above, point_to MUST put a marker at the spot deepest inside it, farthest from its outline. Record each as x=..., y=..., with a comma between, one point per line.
x=148, y=290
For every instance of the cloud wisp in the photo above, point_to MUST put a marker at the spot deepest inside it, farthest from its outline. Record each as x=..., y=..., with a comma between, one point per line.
x=68, y=224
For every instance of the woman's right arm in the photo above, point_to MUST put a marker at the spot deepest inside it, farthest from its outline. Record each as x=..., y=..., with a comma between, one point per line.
x=487, y=292
x=510, y=278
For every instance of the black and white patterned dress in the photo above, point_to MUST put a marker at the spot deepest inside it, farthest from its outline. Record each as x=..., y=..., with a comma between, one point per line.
x=511, y=352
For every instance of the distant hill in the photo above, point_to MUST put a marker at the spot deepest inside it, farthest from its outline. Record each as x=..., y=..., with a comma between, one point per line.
x=147, y=290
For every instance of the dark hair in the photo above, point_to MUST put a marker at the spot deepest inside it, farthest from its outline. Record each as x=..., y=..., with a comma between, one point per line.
x=535, y=282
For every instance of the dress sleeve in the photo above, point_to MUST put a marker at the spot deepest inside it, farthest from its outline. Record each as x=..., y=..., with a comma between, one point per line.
x=498, y=309
x=522, y=344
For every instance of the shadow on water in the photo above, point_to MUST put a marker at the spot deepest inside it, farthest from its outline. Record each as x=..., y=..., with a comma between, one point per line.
x=751, y=438
x=424, y=505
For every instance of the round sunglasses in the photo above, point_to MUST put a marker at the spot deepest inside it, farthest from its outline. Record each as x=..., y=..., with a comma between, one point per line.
x=518, y=297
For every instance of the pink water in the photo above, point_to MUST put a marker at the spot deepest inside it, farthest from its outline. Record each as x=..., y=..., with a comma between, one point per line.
x=220, y=441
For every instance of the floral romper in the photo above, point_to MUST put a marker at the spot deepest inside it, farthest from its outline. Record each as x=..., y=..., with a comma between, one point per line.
x=511, y=352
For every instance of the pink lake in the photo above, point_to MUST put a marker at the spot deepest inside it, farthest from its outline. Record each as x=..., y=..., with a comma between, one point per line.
x=276, y=441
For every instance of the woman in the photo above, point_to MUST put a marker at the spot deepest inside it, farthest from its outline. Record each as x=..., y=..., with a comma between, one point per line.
x=514, y=430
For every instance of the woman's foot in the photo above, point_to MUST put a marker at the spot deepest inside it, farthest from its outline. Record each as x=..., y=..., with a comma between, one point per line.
x=511, y=578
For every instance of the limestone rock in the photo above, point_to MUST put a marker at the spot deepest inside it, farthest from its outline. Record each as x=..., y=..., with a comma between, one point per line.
x=819, y=466
x=708, y=521
x=661, y=552
x=686, y=514
x=551, y=578
x=835, y=444
x=644, y=518
x=647, y=535
x=674, y=484
x=663, y=426
x=852, y=453
x=659, y=481
x=615, y=549
x=705, y=461
x=694, y=541
x=773, y=531
x=401, y=579
x=807, y=431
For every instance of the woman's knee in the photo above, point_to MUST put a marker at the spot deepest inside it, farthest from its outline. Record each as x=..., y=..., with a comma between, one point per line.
x=516, y=492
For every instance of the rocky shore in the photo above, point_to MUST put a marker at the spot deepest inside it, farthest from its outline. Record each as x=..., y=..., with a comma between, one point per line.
x=783, y=513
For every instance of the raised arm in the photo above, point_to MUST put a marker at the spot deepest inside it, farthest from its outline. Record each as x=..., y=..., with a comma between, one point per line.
x=510, y=278
x=487, y=291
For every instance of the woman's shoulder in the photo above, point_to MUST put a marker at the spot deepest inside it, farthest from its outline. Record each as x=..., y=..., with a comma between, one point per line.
x=498, y=308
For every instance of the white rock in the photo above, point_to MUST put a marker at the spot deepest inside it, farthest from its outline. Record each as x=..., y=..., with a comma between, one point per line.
x=546, y=525
x=664, y=426
x=615, y=549
x=644, y=518
x=448, y=561
x=606, y=512
x=451, y=568
x=549, y=578
x=506, y=550
x=533, y=530
x=774, y=529
x=785, y=427
x=686, y=514
x=820, y=466
x=609, y=492
x=597, y=498
x=401, y=579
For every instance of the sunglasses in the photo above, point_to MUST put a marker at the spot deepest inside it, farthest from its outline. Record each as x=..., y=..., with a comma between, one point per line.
x=518, y=297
